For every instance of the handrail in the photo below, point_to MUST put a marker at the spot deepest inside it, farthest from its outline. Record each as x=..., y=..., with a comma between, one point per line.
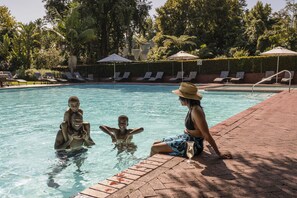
x=273, y=76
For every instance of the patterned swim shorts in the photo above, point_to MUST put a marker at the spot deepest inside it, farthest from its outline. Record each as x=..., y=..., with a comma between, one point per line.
x=179, y=144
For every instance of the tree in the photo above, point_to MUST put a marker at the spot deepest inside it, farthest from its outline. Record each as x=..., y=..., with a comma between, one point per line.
x=7, y=22
x=116, y=22
x=257, y=20
x=24, y=41
x=75, y=31
x=56, y=9
x=216, y=24
x=182, y=42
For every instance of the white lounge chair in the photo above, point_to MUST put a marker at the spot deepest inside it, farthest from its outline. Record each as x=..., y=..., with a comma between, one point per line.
x=178, y=77
x=191, y=76
x=124, y=77
x=14, y=78
x=238, y=78
x=267, y=79
x=286, y=79
x=145, y=77
x=223, y=77
x=158, y=77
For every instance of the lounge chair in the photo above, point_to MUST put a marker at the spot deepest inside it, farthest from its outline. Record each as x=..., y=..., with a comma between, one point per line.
x=267, y=79
x=178, y=77
x=115, y=75
x=14, y=78
x=158, y=77
x=72, y=78
x=145, y=77
x=223, y=77
x=90, y=77
x=50, y=77
x=78, y=77
x=124, y=77
x=191, y=76
x=238, y=78
x=39, y=77
x=286, y=79
x=3, y=78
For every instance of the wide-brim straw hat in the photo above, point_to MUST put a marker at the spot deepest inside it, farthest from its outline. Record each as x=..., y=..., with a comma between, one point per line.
x=188, y=90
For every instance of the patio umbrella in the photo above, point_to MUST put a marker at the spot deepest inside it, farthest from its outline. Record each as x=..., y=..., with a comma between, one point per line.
x=114, y=58
x=181, y=55
x=279, y=51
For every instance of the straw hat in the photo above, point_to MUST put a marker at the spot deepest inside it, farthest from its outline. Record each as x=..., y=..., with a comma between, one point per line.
x=188, y=90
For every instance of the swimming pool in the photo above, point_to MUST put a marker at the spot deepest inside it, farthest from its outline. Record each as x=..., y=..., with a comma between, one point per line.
x=30, y=119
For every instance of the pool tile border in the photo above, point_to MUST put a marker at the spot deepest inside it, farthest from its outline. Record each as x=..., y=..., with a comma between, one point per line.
x=135, y=176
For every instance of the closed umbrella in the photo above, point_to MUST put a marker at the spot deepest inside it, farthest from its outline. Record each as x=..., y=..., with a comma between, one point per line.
x=279, y=51
x=181, y=55
x=114, y=58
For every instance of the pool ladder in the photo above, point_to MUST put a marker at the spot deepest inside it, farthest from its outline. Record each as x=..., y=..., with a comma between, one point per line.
x=276, y=77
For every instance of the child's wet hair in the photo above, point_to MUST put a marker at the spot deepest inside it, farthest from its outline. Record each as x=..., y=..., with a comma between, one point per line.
x=73, y=99
x=123, y=117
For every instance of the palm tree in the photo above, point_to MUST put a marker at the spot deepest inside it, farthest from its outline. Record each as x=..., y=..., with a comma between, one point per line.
x=28, y=37
x=75, y=32
x=179, y=43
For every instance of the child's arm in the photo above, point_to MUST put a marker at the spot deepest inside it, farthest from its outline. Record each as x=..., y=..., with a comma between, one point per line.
x=135, y=131
x=108, y=131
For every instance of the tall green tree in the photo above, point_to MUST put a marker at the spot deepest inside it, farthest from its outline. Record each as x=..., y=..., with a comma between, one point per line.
x=216, y=24
x=56, y=9
x=25, y=41
x=257, y=21
x=116, y=22
x=7, y=22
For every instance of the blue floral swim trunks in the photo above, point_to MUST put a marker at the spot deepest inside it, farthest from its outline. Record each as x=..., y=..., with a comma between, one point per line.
x=179, y=144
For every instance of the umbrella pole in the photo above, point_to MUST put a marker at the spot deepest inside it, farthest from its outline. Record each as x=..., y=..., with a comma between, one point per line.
x=277, y=66
x=114, y=72
x=182, y=67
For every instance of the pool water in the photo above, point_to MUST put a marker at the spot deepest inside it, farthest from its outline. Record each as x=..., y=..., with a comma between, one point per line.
x=30, y=119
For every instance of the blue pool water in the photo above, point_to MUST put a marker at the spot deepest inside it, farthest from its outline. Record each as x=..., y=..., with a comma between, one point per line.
x=30, y=119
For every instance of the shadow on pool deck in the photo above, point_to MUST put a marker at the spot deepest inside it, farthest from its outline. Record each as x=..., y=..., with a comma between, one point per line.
x=262, y=140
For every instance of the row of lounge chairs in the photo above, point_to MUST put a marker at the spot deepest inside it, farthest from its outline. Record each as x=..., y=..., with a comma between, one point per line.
x=268, y=79
x=66, y=77
x=224, y=77
x=147, y=77
x=7, y=77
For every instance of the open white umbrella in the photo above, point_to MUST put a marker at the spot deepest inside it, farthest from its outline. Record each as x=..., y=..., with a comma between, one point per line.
x=181, y=55
x=279, y=51
x=114, y=58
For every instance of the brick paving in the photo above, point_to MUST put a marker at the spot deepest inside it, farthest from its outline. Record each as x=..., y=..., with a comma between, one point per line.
x=263, y=141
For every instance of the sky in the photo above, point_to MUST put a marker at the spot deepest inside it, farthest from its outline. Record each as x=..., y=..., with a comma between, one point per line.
x=29, y=10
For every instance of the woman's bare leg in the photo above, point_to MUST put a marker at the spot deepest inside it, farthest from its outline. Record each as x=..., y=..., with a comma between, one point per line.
x=160, y=148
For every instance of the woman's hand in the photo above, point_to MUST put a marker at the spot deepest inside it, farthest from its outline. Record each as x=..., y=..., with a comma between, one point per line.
x=225, y=155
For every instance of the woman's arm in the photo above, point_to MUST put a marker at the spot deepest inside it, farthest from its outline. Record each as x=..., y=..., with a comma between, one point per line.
x=200, y=122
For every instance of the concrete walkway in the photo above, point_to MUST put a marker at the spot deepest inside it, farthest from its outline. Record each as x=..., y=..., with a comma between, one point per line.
x=263, y=141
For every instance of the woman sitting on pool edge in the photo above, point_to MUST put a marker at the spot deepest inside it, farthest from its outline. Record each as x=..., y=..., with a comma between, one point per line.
x=196, y=127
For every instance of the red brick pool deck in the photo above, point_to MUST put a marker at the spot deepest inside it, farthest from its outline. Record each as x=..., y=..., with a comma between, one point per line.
x=263, y=141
